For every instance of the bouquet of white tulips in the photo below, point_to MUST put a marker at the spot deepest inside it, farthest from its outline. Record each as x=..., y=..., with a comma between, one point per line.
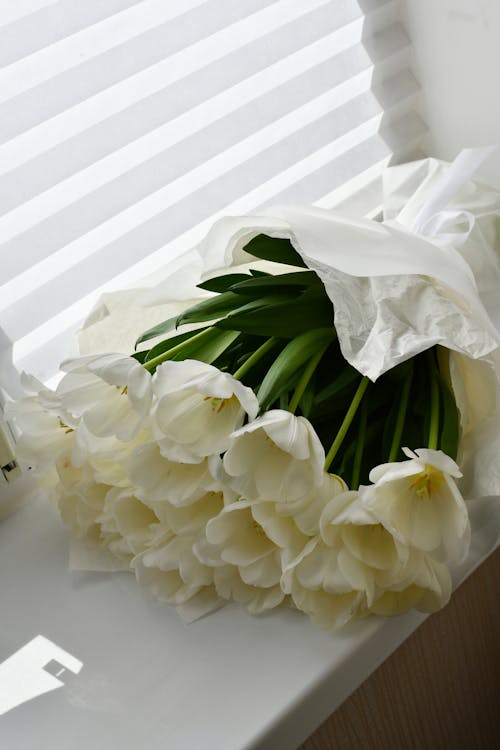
x=292, y=437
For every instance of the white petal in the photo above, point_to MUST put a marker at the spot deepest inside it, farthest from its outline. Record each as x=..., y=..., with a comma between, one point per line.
x=200, y=604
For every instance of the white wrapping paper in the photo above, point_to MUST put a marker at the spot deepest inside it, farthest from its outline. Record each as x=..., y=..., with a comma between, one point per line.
x=420, y=278
x=429, y=275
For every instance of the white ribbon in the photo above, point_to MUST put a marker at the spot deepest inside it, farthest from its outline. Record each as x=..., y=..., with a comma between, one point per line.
x=432, y=216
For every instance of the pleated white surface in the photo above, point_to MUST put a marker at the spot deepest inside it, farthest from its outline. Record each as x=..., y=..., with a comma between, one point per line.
x=127, y=127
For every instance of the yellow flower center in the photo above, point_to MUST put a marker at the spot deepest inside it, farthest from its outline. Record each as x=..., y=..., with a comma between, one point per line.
x=217, y=404
x=64, y=426
x=427, y=482
x=258, y=528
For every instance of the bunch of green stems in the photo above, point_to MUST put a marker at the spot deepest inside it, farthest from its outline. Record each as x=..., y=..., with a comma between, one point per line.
x=276, y=334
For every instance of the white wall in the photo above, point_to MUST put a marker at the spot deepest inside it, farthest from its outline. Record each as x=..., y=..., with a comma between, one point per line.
x=457, y=61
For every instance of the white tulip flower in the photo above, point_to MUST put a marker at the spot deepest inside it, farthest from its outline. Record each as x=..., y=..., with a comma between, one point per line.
x=306, y=513
x=112, y=517
x=81, y=506
x=277, y=457
x=247, y=562
x=189, y=519
x=348, y=567
x=235, y=537
x=45, y=435
x=419, y=502
x=425, y=585
x=158, y=478
x=255, y=599
x=368, y=554
x=197, y=408
x=318, y=587
x=345, y=522
x=68, y=474
x=127, y=523
x=281, y=529
x=110, y=458
x=172, y=573
x=112, y=393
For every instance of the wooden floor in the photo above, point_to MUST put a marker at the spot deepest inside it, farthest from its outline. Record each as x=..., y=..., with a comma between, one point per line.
x=440, y=689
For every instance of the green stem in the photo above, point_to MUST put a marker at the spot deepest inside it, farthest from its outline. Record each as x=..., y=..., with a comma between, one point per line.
x=347, y=421
x=433, y=439
x=400, y=420
x=360, y=445
x=306, y=377
x=254, y=358
x=152, y=364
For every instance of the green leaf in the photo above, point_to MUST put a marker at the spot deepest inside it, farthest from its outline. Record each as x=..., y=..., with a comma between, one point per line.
x=450, y=422
x=417, y=427
x=205, y=348
x=286, y=282
x=157, y=330
x=211, y=347
x=290, y=361
x=390, y=422
x=222, y=283
x=371, y=454
x=169, y=343
x=274, y=249
x=283, y=401
x=400, y=372
x=279, y=317
x=307, y=399
x=140, y=356
x=242, y=348
x=256, y=272
x=344, y=380
x=210, y=309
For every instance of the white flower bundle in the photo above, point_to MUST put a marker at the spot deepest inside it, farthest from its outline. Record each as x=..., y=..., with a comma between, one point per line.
x=274, y=448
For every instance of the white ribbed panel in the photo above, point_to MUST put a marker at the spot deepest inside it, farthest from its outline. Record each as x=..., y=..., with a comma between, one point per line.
x=127, y=127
